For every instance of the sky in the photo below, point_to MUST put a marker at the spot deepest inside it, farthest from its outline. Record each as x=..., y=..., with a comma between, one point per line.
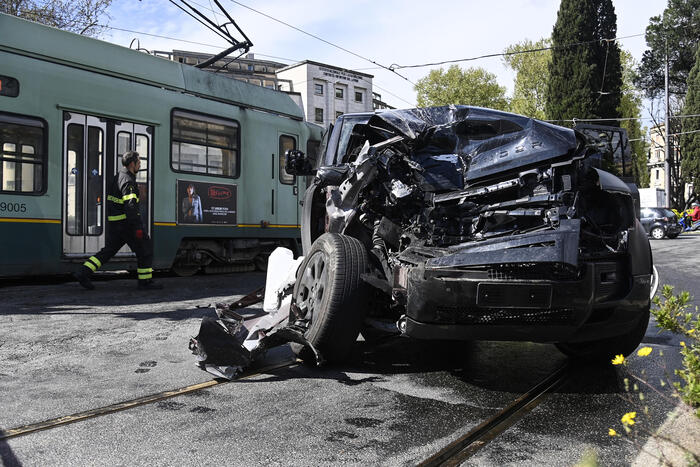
x=384, y=31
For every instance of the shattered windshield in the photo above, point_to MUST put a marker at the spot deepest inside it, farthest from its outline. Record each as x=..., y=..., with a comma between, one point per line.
x=478, y=141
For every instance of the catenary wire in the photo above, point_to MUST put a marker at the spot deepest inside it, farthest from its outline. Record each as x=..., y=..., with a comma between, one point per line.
x=374, y=83
x=219, y=33
x=617, y=118
x=322, y=40
x=291, y=60
x=395, y=66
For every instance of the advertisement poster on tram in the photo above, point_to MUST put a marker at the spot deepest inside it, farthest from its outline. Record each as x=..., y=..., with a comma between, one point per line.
x=205, y=203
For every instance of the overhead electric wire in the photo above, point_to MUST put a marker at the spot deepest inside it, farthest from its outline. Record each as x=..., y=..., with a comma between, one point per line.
x=395, y=66
x=190, y=42
x=214, y=30
x=374, y=84
x=322, y=40
x=685, y=133
x=161, y=36
x=616, y=118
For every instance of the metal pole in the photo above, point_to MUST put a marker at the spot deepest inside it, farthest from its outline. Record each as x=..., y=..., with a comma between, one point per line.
x=667, y=145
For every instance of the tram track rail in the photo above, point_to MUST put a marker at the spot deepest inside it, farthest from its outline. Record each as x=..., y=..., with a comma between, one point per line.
x=6, y=434
x=455, y=453
x=461, y=449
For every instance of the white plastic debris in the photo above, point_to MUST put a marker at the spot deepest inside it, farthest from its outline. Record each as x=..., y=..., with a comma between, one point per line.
x=281, y=273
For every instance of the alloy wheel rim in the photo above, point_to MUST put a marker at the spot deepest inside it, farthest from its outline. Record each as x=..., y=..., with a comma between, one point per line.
x=312, y=285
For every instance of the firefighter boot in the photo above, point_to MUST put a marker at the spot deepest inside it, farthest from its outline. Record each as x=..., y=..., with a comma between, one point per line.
x=83, y=276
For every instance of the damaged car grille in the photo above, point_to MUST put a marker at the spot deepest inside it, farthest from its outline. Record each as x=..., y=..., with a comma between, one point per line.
x=504, y=316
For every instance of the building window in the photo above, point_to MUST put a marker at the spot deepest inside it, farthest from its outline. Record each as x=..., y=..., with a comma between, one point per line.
x=204, y=144
x=250, y=67
x=318, y=89
x=287, y=143
x=358, y=96
x=657, y=173
x=339, y=93
x=22, y=155
x=318, y=115
x=338, y=114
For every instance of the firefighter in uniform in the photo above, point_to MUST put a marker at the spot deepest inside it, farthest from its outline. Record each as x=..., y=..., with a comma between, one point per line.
x=124, y=226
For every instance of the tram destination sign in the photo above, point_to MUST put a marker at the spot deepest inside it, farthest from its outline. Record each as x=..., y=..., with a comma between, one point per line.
x=206, y=203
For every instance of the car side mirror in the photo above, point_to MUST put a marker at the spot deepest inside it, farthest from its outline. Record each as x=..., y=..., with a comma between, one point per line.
x=296, y=163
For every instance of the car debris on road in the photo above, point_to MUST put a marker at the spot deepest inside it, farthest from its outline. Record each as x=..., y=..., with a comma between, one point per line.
x=225, y=346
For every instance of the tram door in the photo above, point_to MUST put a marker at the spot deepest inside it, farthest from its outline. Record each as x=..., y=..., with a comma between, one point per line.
x=91, y=159
x=135, y=137
x=287, y=190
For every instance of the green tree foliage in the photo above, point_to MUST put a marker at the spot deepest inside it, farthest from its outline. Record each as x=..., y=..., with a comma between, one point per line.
x=585, y=79
x=679, y=28
x=690, y=139
x=471, y=86
x=532, y=74
x=631, y=108
x=86, y=17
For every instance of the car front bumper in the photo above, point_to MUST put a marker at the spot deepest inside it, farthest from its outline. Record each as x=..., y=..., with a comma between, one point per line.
x=604, y=300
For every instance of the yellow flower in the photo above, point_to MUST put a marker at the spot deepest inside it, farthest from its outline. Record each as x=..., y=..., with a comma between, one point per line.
x=612, y=432
x=691, y=331
x=682, y=344
x=644, y=351
x=618, y=360
x=628, y=418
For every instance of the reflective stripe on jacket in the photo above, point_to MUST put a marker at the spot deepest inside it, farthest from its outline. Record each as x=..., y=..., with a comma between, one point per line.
x=123, y=200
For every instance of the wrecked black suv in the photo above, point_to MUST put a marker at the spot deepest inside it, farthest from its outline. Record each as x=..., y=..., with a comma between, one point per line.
x=467, y=223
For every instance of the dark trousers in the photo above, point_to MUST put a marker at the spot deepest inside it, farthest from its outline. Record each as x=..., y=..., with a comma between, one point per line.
x=118, y=235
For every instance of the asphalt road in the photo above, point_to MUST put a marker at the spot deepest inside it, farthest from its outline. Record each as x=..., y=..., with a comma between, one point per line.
x=64, y=350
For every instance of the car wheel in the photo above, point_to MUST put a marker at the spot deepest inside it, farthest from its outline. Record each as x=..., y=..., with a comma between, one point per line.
x=606, y=349
x=330, y=294
x=672, y=235
x=657, y=233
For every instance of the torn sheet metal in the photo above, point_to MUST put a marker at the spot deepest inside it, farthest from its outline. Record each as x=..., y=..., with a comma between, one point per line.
x=225, y=346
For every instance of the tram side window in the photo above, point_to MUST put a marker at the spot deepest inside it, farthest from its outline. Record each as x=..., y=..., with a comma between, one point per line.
x=204, y=144
x=22, y=155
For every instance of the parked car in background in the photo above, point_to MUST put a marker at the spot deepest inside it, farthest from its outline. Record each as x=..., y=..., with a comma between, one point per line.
x=660, y=223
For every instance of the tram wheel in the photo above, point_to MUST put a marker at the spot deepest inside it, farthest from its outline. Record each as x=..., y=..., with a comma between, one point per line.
x=185, y=270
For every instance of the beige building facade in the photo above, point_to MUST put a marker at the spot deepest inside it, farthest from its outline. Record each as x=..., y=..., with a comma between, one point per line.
x=327, y=91
x=657, y=159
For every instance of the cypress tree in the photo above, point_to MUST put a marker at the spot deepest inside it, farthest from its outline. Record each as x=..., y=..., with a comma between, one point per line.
x=584, y=80
x=690, y=139
x=607, y=74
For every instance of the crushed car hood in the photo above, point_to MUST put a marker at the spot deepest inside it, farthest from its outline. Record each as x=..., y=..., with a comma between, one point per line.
x=482, y=141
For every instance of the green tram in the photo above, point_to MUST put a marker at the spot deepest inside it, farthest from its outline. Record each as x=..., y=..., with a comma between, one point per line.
x=212, y=175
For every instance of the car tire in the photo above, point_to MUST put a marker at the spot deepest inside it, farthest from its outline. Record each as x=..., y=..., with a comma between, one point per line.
x=604, y=350
x=673, y=235
x=331, y=295
x=657, y=233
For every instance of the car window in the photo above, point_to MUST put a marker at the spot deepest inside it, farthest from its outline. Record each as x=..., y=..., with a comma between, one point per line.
x=668, y=213
x=345, y=133
x=646, y=212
